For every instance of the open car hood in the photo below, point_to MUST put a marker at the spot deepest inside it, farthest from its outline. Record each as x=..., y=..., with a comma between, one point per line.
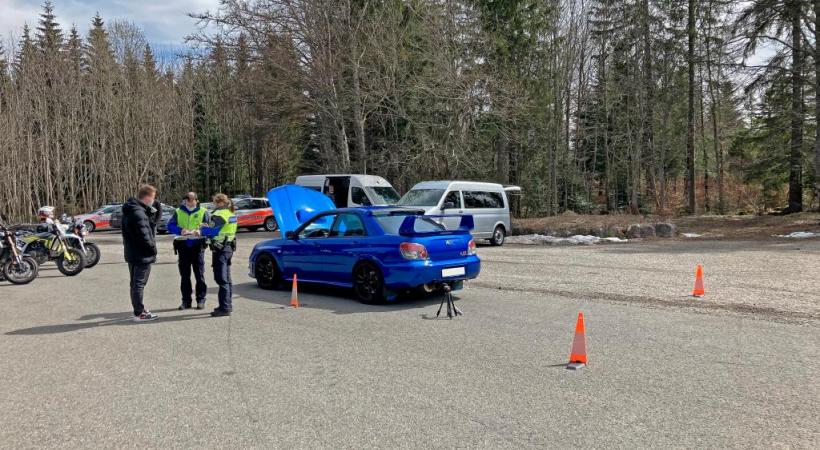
x=293, y=205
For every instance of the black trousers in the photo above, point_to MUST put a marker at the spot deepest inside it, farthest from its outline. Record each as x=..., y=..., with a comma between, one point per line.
x=139, y=277
x=222, y=276
x=192, y=259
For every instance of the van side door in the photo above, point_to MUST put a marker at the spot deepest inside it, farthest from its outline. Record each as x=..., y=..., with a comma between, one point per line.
x=454, y=197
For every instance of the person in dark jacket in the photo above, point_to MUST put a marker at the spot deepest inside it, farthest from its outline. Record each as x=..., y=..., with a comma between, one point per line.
x=138, y=239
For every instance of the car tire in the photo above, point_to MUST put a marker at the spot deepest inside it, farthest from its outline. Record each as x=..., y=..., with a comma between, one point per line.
x=267, y=273
x=499, y=235
x=89, y=226
x=368, y=283
x=270, y=224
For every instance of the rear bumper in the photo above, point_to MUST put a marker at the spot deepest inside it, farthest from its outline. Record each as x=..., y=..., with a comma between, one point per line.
x=411, y=274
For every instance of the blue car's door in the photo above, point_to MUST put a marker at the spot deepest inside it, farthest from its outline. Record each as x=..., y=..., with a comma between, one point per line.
x=304, y=255
x=344, y=247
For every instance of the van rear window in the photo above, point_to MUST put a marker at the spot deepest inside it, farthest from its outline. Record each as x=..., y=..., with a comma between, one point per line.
x=483, y=199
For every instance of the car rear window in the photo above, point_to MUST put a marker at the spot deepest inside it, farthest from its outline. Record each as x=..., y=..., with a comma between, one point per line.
x=421, y=197
x=391, y=224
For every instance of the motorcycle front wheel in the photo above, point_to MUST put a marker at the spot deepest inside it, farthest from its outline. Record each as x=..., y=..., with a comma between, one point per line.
x=92, y=255
x=22, y=273
x=71, y=262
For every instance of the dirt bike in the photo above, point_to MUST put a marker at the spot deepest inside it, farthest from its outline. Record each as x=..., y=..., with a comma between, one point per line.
x=76, y=238
x=54, y=245
x=15, y=267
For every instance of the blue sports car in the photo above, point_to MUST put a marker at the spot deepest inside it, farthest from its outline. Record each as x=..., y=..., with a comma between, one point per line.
x=378, y=251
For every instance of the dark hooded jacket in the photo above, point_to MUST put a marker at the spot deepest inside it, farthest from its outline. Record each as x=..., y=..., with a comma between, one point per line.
x=138, y=232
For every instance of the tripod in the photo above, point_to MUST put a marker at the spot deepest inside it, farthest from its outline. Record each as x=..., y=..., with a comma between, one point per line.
x=451, y=306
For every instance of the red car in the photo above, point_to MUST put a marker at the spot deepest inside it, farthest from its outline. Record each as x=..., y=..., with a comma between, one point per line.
x=254, y=213
x=99, y=219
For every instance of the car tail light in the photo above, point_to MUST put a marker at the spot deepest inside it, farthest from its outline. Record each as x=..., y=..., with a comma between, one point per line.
x=410, y=250
x=471, y=248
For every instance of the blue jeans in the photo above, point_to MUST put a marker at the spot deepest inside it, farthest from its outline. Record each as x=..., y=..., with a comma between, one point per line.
x=222, y=276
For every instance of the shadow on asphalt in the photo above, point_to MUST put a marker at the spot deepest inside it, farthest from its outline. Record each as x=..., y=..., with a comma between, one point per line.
x=110, y=319
x=335, y=299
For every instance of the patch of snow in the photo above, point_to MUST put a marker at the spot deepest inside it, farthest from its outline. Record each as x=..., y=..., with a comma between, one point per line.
x=798, y=235
x=540, y=239
x=691, y=235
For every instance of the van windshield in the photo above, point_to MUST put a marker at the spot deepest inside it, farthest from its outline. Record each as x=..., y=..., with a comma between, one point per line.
x=383, y=195
x=421, y=197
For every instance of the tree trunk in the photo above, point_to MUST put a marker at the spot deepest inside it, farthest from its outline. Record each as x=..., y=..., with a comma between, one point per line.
x=502, y=159
x=817, y=99
x=690, y=113
x=795, y=155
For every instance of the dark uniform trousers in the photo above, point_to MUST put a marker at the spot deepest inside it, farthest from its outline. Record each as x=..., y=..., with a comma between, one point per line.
x=192, y=259
x=222, y=276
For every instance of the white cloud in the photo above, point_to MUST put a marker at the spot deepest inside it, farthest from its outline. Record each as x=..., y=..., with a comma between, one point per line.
x=164, y=21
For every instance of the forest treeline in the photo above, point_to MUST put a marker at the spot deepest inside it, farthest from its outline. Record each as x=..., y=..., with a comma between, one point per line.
x=640, y=106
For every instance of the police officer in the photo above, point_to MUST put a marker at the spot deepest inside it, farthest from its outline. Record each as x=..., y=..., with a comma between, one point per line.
x=190, y=245
x=221, y=231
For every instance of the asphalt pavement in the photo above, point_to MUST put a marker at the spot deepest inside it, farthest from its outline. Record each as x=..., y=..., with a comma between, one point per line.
x=738, y=368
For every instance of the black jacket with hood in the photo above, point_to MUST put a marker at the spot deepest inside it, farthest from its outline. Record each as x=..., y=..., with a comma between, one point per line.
x=138, y=232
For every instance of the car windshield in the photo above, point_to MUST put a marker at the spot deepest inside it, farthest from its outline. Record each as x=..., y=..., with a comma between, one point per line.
x=421, y=197
x=383, y=195
x=391, y=224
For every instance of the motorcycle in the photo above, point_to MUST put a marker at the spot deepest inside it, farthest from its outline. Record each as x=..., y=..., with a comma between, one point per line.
x=76, y=238
x=15, y=267
x=54, y=245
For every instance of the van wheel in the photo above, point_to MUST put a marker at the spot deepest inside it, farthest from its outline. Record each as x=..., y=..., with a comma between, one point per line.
x=368, y=283
x=498, y=236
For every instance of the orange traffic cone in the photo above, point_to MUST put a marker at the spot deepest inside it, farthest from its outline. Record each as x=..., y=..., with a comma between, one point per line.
x=294, y=294
x=578, y=355
x=699, y=290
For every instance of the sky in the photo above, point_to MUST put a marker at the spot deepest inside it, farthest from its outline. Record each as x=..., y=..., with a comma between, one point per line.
x=165, y=22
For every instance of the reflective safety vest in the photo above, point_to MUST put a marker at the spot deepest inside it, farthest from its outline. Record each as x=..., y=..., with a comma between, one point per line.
x=228, y=231
x=190, y=220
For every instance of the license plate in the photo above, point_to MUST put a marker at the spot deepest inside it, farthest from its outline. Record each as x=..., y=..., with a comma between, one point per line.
x=452, y=272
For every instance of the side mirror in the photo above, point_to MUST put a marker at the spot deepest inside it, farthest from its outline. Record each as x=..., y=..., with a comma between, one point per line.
x=448, y=205
x=291, y=235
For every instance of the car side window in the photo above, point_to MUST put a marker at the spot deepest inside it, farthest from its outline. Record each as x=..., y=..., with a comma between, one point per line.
x=482, y=199
x=258, y=204
x=359, y=197
x=318, y=227
x=454, y=198
x=348, y=225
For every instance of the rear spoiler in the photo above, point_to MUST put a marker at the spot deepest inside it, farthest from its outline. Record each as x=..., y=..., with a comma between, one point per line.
x=408, y=226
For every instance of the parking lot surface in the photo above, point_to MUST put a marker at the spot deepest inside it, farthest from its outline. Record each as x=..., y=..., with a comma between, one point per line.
x=738, y=368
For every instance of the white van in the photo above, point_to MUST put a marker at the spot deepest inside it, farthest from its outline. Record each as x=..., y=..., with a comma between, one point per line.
x=348, y=191
x=486, y=202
